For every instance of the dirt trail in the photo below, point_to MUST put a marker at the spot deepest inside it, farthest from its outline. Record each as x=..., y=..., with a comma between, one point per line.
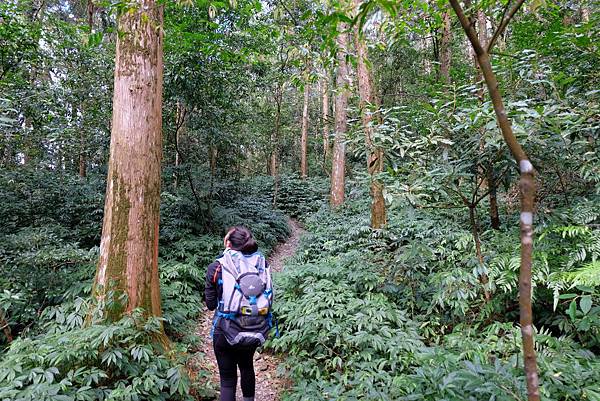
x=268, y=383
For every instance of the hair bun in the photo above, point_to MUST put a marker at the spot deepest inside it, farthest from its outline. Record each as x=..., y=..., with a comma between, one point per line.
x=241, y=240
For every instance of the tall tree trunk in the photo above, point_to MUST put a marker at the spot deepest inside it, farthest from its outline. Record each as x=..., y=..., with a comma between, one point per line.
x=82, y=158
x=304, y=140
x=325, y=97
x=275, y=132
x=445, y=50
x=180, y=132
x=338, y=166
x=482, y=34
x=483, y=277
x=490, y=173
x=526, y=184
x=375, y=155
x=275, y=143
x=128, y=265
x=585, y=14
x=493, y=187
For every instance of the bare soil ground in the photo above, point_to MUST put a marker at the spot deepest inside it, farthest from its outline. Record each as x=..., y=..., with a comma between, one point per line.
x=268, y=383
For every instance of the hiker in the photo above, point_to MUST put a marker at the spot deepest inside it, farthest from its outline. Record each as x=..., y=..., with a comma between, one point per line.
x=238, y=286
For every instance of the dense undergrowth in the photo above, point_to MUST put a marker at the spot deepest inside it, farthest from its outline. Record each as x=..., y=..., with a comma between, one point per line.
x=399, y=314
x=48, y=253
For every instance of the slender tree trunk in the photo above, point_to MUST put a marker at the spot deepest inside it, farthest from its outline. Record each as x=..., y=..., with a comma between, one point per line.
x=275, y=133
x=490, y=173
x=127, y=272
x=325, y=97
x=275, y=144
x=338, y=166
x=375, y=155
x=483, y=277
x=5, y=327
x=493, y=187
x=90, y=14
x=82, y=139
x=304, y=140
x=585, y=14
x=482, y=34
x=180, y=132
x=82, y=158
x=445, y=50
x=527, y=187
x=82, y=144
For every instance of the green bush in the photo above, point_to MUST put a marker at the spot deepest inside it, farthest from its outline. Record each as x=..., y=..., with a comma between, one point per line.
x=119, y=361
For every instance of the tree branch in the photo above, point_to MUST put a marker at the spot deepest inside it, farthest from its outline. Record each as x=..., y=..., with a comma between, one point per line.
x=504, y=23
x=468, y=27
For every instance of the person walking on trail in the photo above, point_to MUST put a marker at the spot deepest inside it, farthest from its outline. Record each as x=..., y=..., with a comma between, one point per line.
x=238, y=287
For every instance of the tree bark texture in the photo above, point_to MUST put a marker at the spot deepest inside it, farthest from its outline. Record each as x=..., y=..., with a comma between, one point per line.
x=493, y=186
x=275, y=133
x=445, y=50
x=127, y=272
x=367, y=104
x=304, y=139
x=180, y=132
x=82, y=156
x=325, y=113
x=526, y=184
x=483, y=277
x=5, y=327
x=338, y=166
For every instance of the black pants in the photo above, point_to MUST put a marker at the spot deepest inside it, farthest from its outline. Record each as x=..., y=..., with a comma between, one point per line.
x=229, y=358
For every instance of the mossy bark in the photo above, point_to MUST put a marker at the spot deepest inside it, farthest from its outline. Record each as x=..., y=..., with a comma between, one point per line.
x=127, y=271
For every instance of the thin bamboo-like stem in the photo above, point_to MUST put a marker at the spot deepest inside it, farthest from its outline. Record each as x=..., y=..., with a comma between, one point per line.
x=527, y=186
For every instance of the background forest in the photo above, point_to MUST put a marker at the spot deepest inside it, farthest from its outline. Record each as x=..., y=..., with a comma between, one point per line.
x=369, y=122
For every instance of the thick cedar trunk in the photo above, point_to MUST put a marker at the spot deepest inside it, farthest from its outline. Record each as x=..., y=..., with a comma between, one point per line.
x=304, y=140
x=325, y=97
x=375, y=156
x=527, y=187
x=445, y=51
x=338, y=165
x=128, y=266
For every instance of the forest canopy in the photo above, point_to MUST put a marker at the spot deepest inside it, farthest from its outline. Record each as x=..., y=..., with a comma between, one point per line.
x=442, y=157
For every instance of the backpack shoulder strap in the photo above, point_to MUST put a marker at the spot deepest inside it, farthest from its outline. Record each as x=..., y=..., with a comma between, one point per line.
x=217, y=273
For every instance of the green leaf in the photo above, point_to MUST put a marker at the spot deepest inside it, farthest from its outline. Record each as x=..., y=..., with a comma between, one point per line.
x=585, y=304
x=573, y=310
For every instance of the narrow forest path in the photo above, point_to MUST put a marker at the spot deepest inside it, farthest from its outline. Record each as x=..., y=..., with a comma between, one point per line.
x=268, y=384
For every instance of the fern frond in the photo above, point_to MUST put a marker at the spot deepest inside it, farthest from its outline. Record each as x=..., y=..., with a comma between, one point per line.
x=588, y=275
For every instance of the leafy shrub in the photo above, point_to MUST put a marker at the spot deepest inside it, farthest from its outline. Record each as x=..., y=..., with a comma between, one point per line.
x=119, y=361
x=398, y=314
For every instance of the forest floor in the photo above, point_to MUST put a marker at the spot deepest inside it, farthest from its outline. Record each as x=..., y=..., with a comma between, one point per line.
x=268, y=382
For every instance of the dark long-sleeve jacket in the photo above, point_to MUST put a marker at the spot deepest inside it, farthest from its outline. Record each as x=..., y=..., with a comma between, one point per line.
x=212, y=290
